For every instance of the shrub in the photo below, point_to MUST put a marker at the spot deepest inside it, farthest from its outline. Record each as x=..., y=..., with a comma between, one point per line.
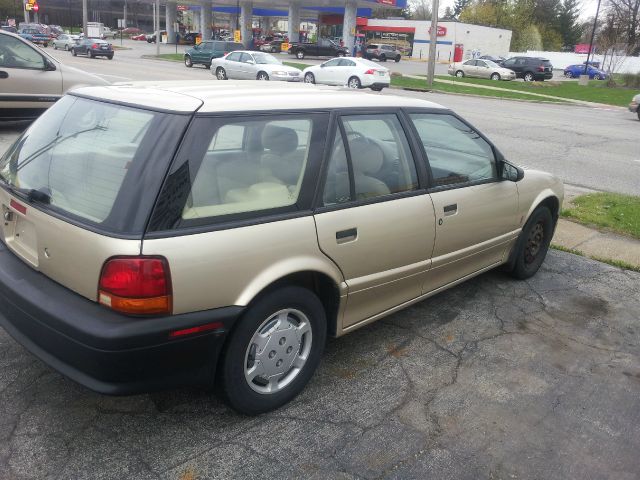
x=631, y=80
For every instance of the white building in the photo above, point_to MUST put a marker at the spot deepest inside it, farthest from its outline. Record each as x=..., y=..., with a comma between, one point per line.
x=413, y=36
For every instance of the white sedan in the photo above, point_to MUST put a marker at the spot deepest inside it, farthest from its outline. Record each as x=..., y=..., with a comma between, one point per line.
x=481, y=69
x=248, y=65
x=349, y=71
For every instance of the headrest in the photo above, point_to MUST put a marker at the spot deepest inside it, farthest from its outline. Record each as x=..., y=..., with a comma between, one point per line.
x=279, y=140
x=366, y=156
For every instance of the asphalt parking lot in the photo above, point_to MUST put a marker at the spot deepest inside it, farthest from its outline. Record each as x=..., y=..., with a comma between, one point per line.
x=495, y=378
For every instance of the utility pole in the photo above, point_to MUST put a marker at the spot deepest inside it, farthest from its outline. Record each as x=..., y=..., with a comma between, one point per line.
x=84, y=18
x=431, y=67
x=157, y=15
x=593, y=34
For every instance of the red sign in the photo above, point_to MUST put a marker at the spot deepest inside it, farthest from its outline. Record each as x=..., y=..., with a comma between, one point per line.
x=388, y=2
x=183, y=8
x=583, y=48
x=442, y=31
x=35, y=7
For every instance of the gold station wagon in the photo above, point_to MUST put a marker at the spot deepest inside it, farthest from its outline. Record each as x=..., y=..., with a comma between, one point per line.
x=158, y=235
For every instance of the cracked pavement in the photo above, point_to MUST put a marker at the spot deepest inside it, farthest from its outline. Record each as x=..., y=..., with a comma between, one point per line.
x=495, y=378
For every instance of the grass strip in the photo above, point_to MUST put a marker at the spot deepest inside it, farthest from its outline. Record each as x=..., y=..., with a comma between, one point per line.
x=597, y=90
x=615, y=212
x=171, y=57
x=615, y=263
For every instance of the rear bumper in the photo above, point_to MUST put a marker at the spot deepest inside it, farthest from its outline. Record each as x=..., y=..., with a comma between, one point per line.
x=633, y=107
x=100, y=349
x=102, y=53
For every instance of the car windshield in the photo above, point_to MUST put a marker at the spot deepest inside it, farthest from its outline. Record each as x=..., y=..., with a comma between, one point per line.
x=266, y=59
x=491, y=64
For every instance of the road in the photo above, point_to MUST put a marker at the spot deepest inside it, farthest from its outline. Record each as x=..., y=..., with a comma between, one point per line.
x=594, y=148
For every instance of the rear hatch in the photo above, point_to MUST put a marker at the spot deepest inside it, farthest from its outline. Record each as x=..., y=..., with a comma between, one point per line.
x=546, y=65
x=78, y=186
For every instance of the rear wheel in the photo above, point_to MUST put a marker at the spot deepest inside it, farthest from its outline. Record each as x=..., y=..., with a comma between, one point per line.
x=638, y=112
x=273, y=351
x=187, y=61
x=262, y=76
x=383, y=58
x=397, y=58
x=597, y=76
x=354, y=82
x=309, y=78
x=459, y=74
x=528, y=77
x=299, y=54
x=55, y=47
x=45, y=45
x=91, y=55
x=73, y=52
x=274, y=50
x=221, y=74
x=66, y=48
x=340, y=54
x=495, y=76
x=110, y=57
x=533, y=243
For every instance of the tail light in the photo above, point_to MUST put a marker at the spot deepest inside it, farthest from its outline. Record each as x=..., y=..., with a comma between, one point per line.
x=541, y=68
x=371, y=71
x=136, y=285
x=94, y=46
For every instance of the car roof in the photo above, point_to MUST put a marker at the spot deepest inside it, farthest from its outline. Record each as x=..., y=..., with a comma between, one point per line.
x=237, y=96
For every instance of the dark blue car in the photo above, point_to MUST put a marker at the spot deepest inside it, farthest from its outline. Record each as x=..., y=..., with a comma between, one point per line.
x=574, y=71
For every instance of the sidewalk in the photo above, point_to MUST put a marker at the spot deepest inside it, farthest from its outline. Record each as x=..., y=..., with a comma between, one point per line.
x=593, y=243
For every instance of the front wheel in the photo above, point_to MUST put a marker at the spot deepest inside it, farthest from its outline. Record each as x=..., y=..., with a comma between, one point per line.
x=187, y=61
x=354, y=82
x=568, y=74
x=397, y=58
x=309, y=78
x=383, y=58
x=110, y=57
x=273, y=351
x=340, y=54
x=262, y=76
x=45, y=45
x=596, y=76
x=73, y=52
x=274, y=50
x=459, y=74
x=221, y=74
x=91, y=55
x=66, y=48
x=528, y=77
x=495, y=76
x=299, y=54
x=533, y=243
x=55, y=47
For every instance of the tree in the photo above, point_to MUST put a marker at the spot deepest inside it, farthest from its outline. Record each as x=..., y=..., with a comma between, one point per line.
x=420, y=10
x=626, y=14
x=448, y=14
x=530, y=39
x=459, y=6
x=480, y=13
x=570, y=28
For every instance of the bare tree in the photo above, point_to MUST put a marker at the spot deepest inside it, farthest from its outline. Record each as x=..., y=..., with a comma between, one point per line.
x=612, y=44
x=421, y=9
x=626, y=14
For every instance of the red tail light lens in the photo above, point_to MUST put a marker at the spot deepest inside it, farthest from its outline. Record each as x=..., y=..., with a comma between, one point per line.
x=136, y=285
x=94, y=46
x=371, y=71
x=541, y=68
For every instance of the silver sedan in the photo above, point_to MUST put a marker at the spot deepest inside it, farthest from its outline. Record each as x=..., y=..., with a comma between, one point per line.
x=65, y=41
x=481, y=69
x=248, y=65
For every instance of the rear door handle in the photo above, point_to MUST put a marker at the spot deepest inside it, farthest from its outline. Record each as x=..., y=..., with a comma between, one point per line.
x=4, y=74
x=450, y=209
x=348, y=235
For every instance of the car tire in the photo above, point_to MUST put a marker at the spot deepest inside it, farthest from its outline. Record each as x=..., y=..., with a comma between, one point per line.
x=638, y=112
x=73, y=52
x=495, y=76
x=262, y=76
x=309, y=78
x=91, y=55
x=340, y=54
x=354, y=82
x=568, y=74
x=597, y=76
x=110, y=57
x=299, y=54
x=533, y=243
x=383, y=58
x=66, y=48
x=376, y=89
x=187, y=61
x=528, y=77
x=301, y=341
x=397, y=59
x=55, y=47
x=274, y=50
x=460, y=74
x=45, y=45
x=221, y=74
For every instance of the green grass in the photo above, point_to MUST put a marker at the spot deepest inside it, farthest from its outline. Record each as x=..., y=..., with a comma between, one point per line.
x=172, y=57
x=299, y=66
x=597, y=90
x=611, y=211
x=616, y=263
x=419, y=84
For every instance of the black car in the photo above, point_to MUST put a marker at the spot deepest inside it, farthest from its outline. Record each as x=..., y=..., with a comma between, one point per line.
x=324, y=48
x=530, y=68
x=93, y=47
x=494, y=59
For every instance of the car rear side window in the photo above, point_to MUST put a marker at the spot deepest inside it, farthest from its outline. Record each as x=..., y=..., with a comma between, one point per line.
x=457, y=154
x=14, y=53
x=252, y=165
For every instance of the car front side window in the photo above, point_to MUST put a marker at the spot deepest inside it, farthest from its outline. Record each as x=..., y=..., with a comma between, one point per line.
x=457, y=154
x=16, y=54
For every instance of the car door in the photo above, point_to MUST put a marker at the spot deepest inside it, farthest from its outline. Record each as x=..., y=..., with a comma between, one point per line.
x=231, y=64
x=26, y=76
x=247, y=67
x=511, y=64
x=469, y=68
x=344, y=70
x=328, y=71
x=202, y=54
x=482, y=69
x=373, y=219
x=476, y=212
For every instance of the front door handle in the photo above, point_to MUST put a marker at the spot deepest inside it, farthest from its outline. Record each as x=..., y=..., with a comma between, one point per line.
x=348, y=235
x=4, y=74
x=450, y=209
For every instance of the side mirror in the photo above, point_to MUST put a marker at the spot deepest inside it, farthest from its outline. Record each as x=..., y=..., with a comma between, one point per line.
x=510, y=172
x=251, y=62
x=322, y=65
x=49, y=66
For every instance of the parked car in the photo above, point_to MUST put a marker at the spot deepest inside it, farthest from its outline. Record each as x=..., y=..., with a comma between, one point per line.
x=93, y=47
x=273, y=46
x=250, y=65
x=324, y=48
x=205, y=52
x=530, y=68
x=259, y=42
x=634, y=105
x=349, y=71
x=108, y=33
x=131, y=31
x=31, y=81
x=574, y=71
x=190, y=235
x=9, y=28
x=139, y=37
x=151, y=37
x=481, y=69
x=35, y=36
x=499, y=60
x=189, y=38
x=382, y=52
x=65, y=41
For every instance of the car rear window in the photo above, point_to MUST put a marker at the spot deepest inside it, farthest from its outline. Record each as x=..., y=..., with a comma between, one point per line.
x=232, y=46
x=83, y=154
x=372, y=46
